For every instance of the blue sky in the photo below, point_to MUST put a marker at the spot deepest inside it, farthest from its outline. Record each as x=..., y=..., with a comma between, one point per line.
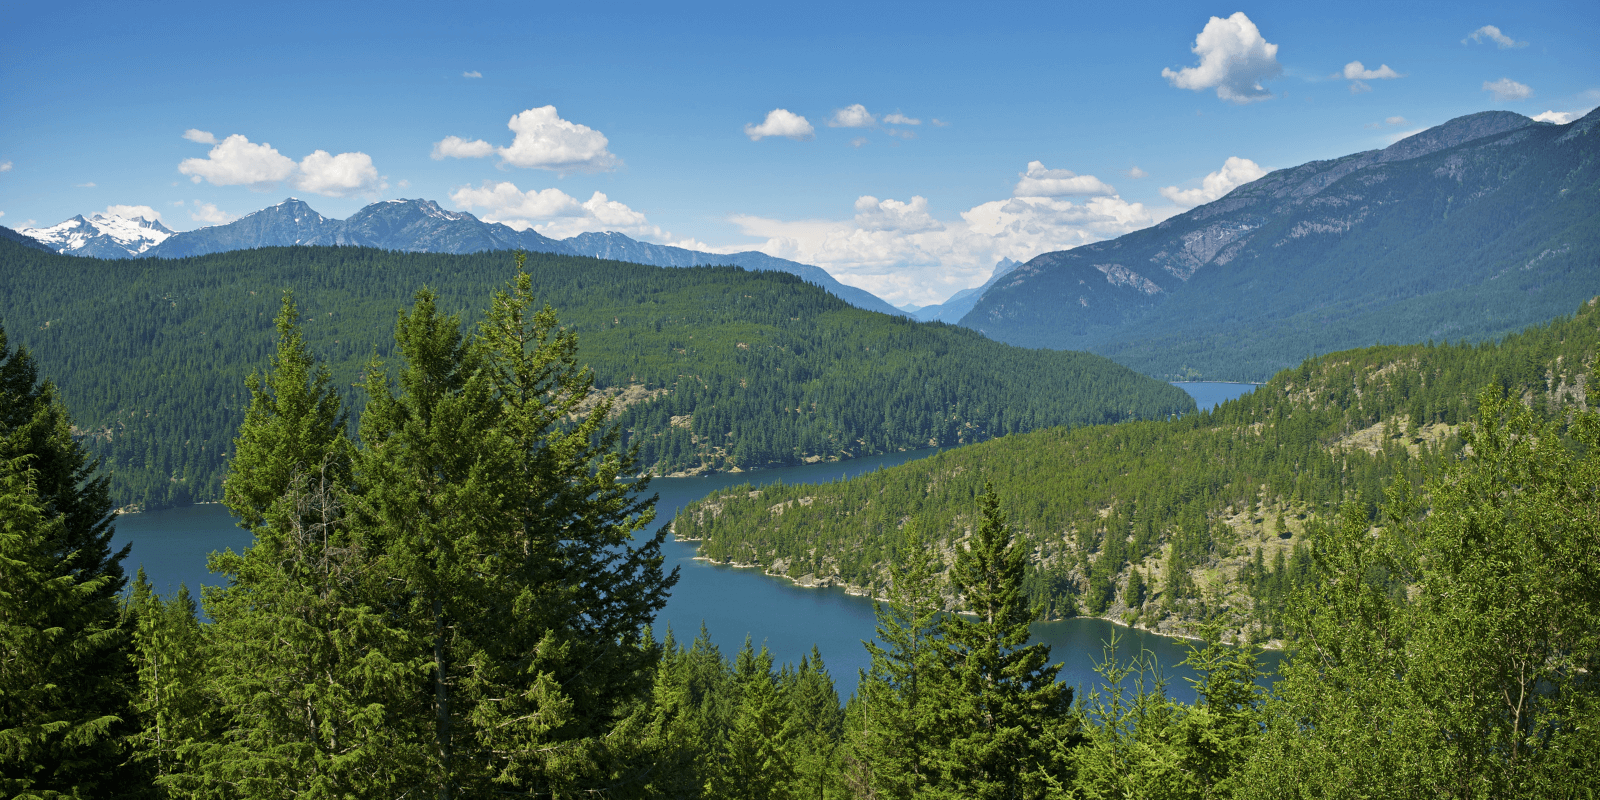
x=663, y=110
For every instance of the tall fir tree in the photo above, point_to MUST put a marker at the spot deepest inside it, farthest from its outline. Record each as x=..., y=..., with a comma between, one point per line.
x=901, y=736
x=492, y=486
x=1004, y=697
x=58, y=633
x=310, y=674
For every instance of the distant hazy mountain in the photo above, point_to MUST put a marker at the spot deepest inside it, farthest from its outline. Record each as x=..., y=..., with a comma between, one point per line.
x=1476, y=228
x=405, y=225
x=101, y=236
x=958, y=304
x=409, y=225
x=617, y=247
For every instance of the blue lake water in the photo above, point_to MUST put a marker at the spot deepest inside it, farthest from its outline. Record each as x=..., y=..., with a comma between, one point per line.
x=1210, y=394
x=732, y=603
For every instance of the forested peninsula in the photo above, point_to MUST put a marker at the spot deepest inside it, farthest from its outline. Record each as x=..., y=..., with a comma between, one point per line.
x=710, y=368
x=1173, y=526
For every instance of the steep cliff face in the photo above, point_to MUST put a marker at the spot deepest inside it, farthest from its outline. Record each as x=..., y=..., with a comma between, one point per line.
x=1474, y=228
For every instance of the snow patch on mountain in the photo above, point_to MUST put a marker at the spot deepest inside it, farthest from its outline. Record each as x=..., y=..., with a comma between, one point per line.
x=101, y=234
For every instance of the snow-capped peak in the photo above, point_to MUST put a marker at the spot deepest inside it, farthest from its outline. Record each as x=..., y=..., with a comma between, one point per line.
x=103, y=235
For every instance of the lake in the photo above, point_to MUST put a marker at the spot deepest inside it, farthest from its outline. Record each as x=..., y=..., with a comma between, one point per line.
x=732, y=603
x=1210, y=394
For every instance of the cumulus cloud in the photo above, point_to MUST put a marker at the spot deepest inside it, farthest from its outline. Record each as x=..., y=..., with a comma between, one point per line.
x=552, y=212
x=898, y=118
x=858, y=141
x=1507, y=89
x=133, y=212
x=854, y=116
x=1394, y=120
x=209, y=214
x=472, y=74
x=1135, y=172
x=5, y=166
x=1356, y=71
x=782, y=122
x=1041, y=182
x=1490, y=33
x=1235, y=172
x=237, y=161
x=542, y=140
x=546, y=141
x=900, y=252
x=89, y=185
x=457, y=147
x=197, y=135
x=337, y=176
x=1560, y=117
x=873, y=214
x=1234, y=60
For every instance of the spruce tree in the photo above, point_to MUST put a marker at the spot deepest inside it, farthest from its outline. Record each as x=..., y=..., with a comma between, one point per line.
x=58, y=633
x=491, y=485
x=901, y=734
x=175, y=707
x=1004, y=698
x=310, y=673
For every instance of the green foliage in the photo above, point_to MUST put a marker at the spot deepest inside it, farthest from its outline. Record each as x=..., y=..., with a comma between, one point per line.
x=710, y=368
x=1168, y=498
x=58, y=637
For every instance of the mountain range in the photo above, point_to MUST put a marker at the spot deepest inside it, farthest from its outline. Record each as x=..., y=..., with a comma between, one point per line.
x=1470, y=230
x=404, y=225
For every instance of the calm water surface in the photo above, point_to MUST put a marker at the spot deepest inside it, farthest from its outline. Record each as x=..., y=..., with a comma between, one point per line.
x=1210, y=394
x=732, y=603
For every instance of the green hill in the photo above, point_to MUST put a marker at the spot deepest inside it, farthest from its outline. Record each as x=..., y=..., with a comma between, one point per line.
x=1215, y=511
x=715, y=368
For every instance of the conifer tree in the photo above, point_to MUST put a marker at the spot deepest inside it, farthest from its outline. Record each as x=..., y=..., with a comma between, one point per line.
x=175, y=709
x=1004, y=697
x=818, y=724
x=757, y=761
x=902, y=734
x=58, y=632
x=311, y=676
x=490, y=484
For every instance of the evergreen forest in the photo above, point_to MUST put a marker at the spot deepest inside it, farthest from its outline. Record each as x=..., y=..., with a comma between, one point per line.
x=1210, y=519
x=710, y=368
x=456, y=600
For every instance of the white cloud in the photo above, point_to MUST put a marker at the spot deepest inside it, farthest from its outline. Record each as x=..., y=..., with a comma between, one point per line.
x=5, y=166
x=209, y=214
x=472, y=74
x=1135, y=172
x=1234, y=59
x=1493, y=34
x=457, y=147
x=197, y=135
x=338, y=176
x=236, y=161
x=1041, y=182
x=1507, y=89
x=1355, y=71
x=132, y=212
x=552, y=212
x=1357, y=87
x=858, y=141
x=89, y=185
x=543, y=140
x=546, y=141
x=854, y=116
x=1235, y=172
x=781, y=122
x=1561, y=117
x=893, y=215
x=898, y=251
x=898, y=118
x=939, y=123
x=1394, y=120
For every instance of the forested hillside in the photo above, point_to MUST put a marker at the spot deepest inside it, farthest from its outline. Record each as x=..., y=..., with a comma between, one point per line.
x=1167, y=524
x=1472, y=229
x=713, y=368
